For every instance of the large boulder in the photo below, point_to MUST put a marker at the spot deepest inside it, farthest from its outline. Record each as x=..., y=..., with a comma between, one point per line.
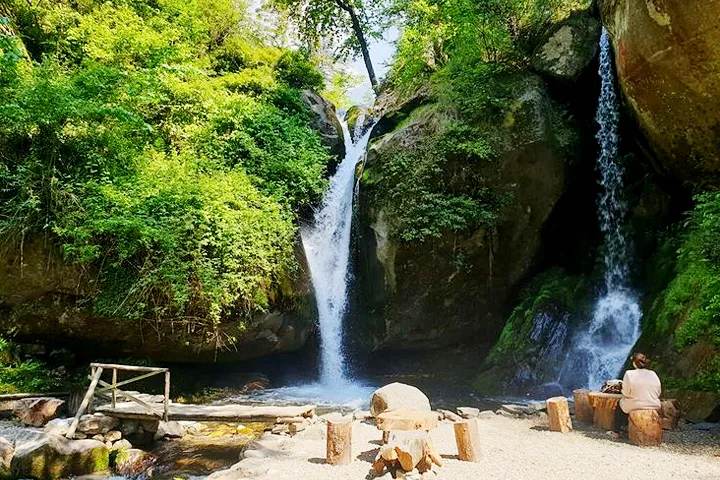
x=132, y=462
x=667, y=54
x=396, y=396
x=46, y=300
x=52, y=457
x=36, y=412
x=455, y=286
x=570, y=48
x=7, y=452
x=97, y=424
x=326, y=122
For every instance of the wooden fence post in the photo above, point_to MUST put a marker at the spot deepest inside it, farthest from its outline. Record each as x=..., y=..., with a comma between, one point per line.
x=166, y=399
x=86, y=401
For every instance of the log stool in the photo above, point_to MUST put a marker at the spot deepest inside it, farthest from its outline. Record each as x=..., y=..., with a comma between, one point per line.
x=467, y=438
x=645, y=428
x=604, y=406
x=339, y=441
x=559, y=414
x=583, y=410
x=405, y=420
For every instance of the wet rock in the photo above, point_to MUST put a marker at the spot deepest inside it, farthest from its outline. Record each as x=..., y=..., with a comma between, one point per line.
x=132, y=462
x=113, y=436
x=52, y=457
x=37, y=412
x=395, y=396
x=516, y=410
x=58, y=426
x=570, y=49
x=7, y=451
x=325, y=121
x=468, y=412
x=169, y=430
x=121, y=444
x=97, y=424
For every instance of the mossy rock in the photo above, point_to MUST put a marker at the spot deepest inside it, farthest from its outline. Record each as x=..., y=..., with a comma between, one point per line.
x=53, y=457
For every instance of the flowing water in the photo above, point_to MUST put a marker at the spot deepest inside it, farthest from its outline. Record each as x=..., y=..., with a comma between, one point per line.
x=603, y=348
x=327, y=248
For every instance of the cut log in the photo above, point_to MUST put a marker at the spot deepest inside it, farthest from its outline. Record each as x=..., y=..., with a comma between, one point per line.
x=339, y=441
x=583, y=410
x=410, y=452
x=406, y=420
x=467, y=438
x=604, y=406
x=645, y=428
x=559, y=415
x=670, y=411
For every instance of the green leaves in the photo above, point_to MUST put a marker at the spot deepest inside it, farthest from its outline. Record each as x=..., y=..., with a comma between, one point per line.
x=170, y=162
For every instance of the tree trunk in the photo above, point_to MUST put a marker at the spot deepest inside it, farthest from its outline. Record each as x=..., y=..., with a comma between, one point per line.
x=339, y=441
x=360, y=35
x=645, y=428
x=583, y=410
x=559, y=415
x=604, y=407
x=467, y=438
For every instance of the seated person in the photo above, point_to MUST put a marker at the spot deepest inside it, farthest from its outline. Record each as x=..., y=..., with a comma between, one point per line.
x=640, y=389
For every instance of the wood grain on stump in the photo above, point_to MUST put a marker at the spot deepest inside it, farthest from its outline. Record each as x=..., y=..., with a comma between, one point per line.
x=339, y=441
x=604, y=406
x=559, y=414
x=583, y=409
x=645, y=428
x=467, y=437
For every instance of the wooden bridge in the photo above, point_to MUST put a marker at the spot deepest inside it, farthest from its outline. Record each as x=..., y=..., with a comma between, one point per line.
x=144, y=407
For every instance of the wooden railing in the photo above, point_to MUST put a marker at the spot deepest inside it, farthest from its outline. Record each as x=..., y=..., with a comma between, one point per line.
x=96, y=372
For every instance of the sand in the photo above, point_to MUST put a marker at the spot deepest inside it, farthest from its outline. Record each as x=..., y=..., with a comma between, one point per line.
x=512, y=449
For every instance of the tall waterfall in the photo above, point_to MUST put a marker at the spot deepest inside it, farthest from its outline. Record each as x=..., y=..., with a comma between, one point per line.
x=327, y=248
x=601, y=351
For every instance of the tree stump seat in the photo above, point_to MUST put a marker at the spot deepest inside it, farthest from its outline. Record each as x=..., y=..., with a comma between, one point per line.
x=645, y=428
x=406, y=420
x=583, y=410
x=559, y=415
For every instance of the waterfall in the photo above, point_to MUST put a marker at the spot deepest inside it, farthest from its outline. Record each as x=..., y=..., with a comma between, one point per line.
x=327, y=248
x=601, y=351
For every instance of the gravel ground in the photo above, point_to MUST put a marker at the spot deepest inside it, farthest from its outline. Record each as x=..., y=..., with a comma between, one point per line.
x=512, y=449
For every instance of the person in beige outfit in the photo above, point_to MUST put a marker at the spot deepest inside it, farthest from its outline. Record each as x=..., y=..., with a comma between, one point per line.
x=641, y=389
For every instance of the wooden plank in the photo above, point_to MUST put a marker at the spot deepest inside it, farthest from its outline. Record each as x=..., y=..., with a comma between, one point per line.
x=86, y=401
x=126, y=382
x=114, y=386
x=147, y=406
x=209, y=413
x=129, y=368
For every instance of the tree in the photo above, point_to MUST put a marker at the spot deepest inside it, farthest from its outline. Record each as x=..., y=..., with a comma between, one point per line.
x=347, y=22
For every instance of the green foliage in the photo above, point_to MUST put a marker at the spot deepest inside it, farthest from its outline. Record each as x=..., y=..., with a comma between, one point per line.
x=417, y=190
x=690, y=306
x=553, y=290
x=295, y=69
x=161, y=144
x=26, y=376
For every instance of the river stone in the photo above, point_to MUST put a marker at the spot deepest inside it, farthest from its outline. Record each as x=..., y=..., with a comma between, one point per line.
x=53, y=457
x=169, y=430
x=113, y=436
x=468, y=412
x=396, y=396
x=7, y=451
x=36, y=412
x=97, y=424
x=132, y=462
x=58, y=426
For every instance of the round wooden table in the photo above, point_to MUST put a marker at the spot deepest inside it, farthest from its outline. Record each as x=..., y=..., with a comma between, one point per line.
x=604, y=407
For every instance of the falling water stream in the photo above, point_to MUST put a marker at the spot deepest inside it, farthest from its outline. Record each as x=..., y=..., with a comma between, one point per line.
x=601, y=351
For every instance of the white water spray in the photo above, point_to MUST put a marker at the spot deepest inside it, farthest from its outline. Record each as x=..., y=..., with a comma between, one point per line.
x=615, y=326
x=327, y=248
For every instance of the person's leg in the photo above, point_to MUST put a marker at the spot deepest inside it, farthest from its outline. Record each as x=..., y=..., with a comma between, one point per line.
x=621, y=420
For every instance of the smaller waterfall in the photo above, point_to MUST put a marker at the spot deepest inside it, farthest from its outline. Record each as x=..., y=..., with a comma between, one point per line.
x=601, y=351
x=327, y=247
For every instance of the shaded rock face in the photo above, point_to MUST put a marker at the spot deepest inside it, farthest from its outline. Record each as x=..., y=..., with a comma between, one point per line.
x=37, y=412
x=443, y=291
x=668, y=63
x=48, y=301
x=570, y=48
x=325, y=121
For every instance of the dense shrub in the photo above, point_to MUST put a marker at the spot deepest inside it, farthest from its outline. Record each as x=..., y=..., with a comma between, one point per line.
x=162, y=144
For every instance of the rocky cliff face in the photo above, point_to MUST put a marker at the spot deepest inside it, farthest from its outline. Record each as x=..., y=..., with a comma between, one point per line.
x=668, y=63
x=454, y=286
x=44, y=300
